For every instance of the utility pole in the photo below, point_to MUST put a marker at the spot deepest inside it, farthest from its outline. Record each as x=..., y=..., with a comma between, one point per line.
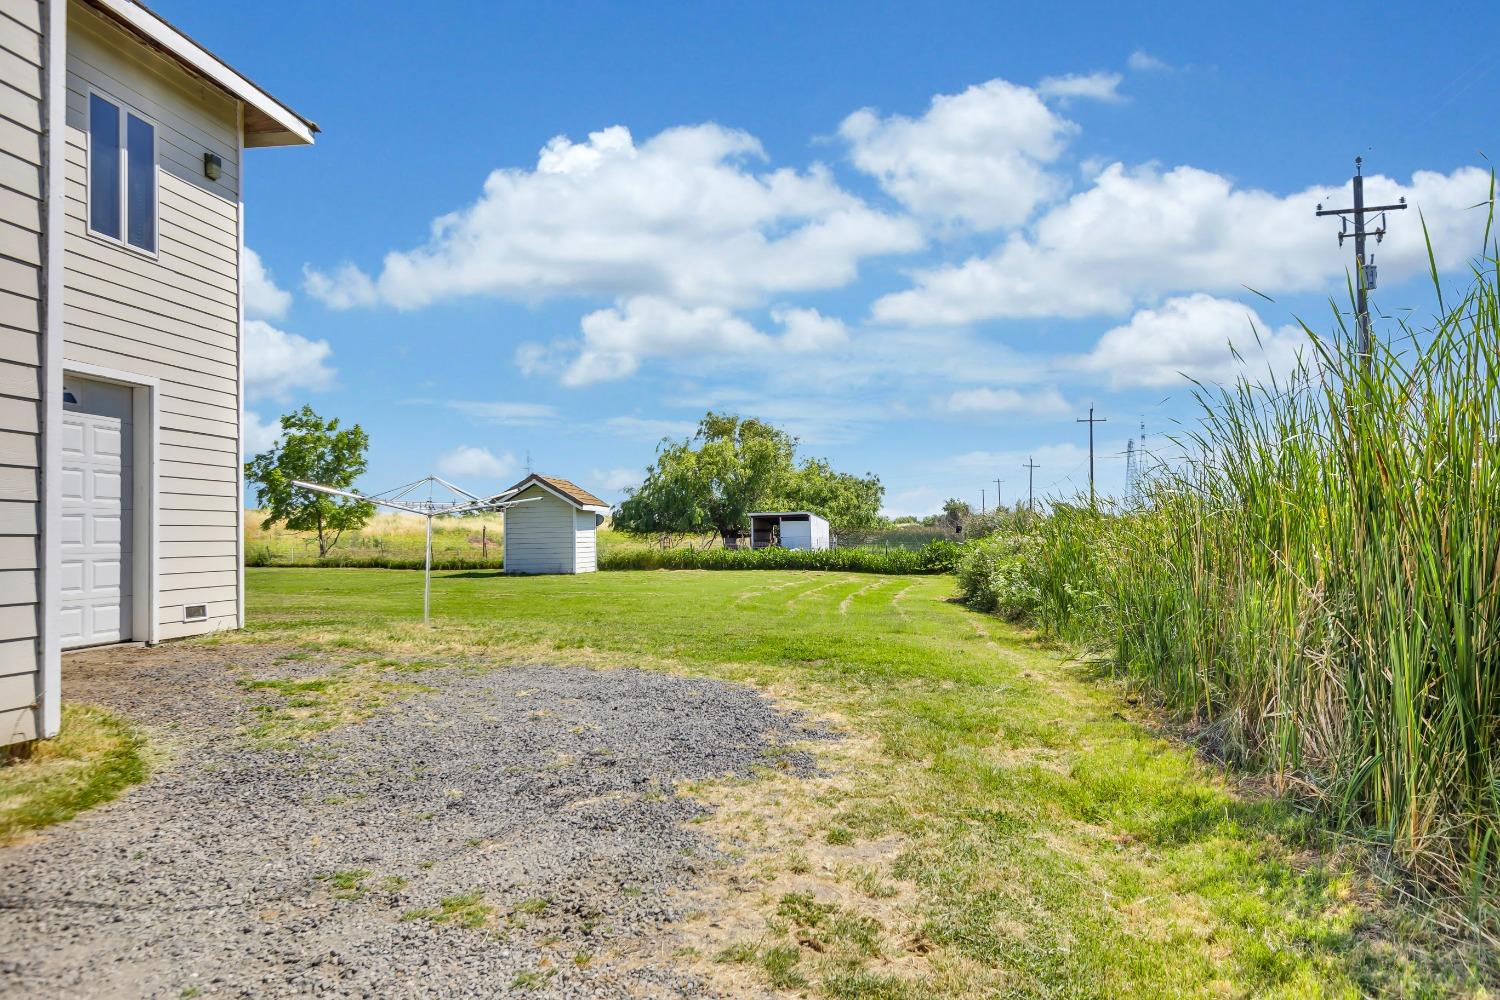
x=1364, y=267
x=1031, y=468
x=981, y=501
x=998, y=482
x=1091, y=420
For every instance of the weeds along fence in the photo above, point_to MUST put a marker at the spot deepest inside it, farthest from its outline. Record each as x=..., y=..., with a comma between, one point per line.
x=935, y=557
x=1320, y=585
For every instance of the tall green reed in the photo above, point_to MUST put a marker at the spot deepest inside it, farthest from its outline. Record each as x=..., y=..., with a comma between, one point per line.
x=1320, y=581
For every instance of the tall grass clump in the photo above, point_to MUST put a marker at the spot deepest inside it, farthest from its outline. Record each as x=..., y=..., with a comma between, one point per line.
x=1319, y=583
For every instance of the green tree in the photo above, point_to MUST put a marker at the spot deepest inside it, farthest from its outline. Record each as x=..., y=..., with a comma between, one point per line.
x=955, y=513
x=734, y=465
x=849, y=502
x=312, y=450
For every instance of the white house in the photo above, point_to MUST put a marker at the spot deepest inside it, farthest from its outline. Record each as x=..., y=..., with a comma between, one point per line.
x=555, y=531
x=121, y=308
x=794, y=529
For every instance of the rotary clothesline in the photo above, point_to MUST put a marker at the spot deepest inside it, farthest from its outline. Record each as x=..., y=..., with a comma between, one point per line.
x=397, y=499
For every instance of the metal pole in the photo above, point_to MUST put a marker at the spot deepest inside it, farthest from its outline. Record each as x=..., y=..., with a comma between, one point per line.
x=1362, y=295
x=1091, y=421
x=427, y=578
x=1031, y=468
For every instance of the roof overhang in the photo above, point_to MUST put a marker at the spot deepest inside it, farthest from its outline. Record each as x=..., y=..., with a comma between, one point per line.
x=268, y=122
x=549, y=488
x=786, y=513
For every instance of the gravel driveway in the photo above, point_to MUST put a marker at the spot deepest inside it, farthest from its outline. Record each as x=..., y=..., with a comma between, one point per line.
x=506, y=831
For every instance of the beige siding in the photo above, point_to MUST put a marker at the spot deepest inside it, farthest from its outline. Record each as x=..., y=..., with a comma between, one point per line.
x=584, y=522
x=173, y=318
x=21, y=210
x=539, y=535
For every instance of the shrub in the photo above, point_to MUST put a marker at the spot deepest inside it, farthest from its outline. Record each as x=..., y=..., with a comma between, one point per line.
x=932, y=558
x=998, y=574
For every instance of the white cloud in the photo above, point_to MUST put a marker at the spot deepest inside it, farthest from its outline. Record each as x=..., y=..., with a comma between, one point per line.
x=616, y=480
x=1141, y=233
x=1046, y=402
x=682, y=215
x=262, y=298
x=504, y=414
x=1141, y=61
x=259, y=436
x=278, y=363
x=1082, y=86
x=1191, y=336
x=617, y=339
x=476, y=463
x=979, y=157
x=649, y=429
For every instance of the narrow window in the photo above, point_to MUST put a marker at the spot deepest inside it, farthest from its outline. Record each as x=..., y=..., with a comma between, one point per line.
x=140, y=173
x=122, y=175
x=104, y=167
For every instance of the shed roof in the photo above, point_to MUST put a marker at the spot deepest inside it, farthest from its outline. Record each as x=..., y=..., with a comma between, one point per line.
x=565, y=488
x=786, y=513
x=268, y=122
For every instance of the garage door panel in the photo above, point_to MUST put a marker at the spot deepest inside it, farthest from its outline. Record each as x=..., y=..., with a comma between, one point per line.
x=104, y=529
x=72, y=483
x=72, y=439
x=70, y=576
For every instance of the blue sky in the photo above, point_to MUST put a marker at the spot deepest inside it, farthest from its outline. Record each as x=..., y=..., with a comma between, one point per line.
x=924, y=240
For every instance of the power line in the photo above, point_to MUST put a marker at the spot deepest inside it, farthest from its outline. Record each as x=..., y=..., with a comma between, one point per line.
x=1364, y=268
x=1091, y=420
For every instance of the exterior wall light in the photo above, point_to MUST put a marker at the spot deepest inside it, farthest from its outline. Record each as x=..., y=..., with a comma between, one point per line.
x=213, y=166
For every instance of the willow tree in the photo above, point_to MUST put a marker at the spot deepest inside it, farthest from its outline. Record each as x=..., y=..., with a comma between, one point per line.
x=734, y=465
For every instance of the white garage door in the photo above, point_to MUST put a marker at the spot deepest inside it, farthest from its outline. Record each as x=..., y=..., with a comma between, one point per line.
x=96, y=514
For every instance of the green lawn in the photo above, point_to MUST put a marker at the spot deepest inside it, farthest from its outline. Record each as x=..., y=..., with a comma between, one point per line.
x=996, y=823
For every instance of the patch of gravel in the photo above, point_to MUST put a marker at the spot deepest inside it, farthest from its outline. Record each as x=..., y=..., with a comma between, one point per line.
x=234, y=870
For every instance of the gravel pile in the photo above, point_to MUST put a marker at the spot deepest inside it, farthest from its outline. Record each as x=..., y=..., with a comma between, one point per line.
x=533, y=804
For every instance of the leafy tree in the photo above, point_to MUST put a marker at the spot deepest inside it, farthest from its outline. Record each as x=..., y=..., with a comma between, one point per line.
x=849, y=502
x=732, y=466
x=955, y=513
x=312, y=450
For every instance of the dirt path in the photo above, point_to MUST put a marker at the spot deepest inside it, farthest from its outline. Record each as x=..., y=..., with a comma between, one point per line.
x=501, y=830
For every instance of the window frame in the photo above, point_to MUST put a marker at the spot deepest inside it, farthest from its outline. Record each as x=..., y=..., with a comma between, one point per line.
x=125, y=109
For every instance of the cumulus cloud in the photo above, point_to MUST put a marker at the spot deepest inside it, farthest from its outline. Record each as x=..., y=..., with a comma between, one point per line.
x=476, y=463
x=259, y=435
x=684, y=215
x=263, y=299
x=1083, y=86
x=1046, y=402
x=979, y=157
x=1140, y=233
x=1141, y=61
x=278, y=364
x=615, y=340
x=1195, y=336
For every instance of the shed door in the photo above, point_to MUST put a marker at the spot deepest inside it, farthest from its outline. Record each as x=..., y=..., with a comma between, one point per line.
x=96, y=514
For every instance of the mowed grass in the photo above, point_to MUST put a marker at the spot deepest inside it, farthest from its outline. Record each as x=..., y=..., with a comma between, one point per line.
x=993, y=825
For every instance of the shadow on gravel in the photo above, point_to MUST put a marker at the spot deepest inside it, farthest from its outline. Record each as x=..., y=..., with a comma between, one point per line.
x=514, y=827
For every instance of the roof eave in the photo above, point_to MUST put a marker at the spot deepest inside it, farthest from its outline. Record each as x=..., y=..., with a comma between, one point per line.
x=282, y=126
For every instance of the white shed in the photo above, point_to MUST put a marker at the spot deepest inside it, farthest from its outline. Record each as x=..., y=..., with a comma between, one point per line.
x=793, y=529
x=556, y=531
